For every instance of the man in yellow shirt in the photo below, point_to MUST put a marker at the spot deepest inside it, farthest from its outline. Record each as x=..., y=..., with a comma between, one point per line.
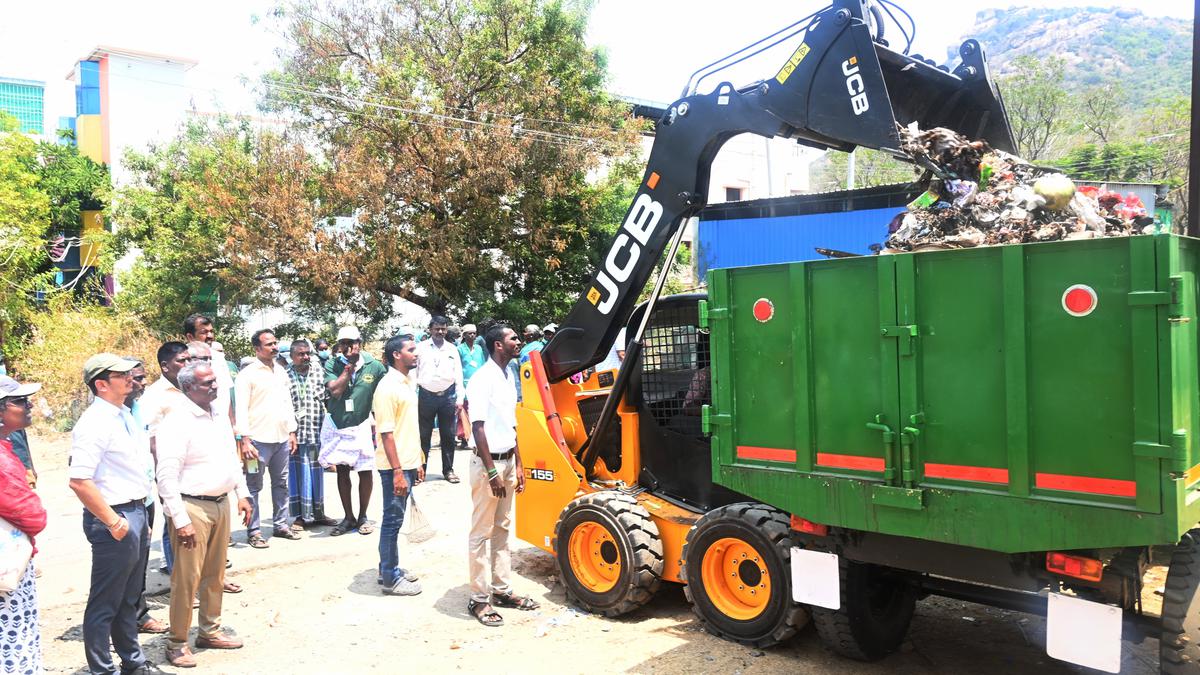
x=398, y=456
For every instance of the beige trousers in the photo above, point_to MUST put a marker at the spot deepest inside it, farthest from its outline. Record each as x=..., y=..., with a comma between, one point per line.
x=199, y=569
x=491, y=520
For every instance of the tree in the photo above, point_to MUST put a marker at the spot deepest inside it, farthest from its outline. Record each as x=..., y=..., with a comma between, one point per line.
x=1037, y=104
x=462, y=133
x=871, y=168
x=24, y=216
x=1101, y=109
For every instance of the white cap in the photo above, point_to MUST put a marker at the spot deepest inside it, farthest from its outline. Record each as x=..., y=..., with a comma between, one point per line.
x=10, y=387
x=550, y=328
x=349, y=333
x=469, y=328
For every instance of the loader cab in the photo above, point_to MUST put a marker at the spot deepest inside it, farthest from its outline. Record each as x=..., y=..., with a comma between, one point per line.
x=668, y=387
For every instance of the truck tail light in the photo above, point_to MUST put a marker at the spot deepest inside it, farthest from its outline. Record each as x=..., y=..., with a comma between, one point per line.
x=804, y=525
x=1087, y=569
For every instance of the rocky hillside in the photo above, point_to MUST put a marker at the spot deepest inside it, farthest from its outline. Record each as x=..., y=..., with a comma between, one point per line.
x=1150, y=55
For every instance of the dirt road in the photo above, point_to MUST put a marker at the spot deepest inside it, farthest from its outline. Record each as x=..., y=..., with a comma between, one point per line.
x=312, y=606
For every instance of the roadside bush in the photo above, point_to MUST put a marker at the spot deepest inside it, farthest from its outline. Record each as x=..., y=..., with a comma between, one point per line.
x=61, y=341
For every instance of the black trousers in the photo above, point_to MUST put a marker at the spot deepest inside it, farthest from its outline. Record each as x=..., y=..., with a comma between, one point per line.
x=440, y=406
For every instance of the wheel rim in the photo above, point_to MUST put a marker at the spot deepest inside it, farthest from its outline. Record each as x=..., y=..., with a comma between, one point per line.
x=736, y=578
x=595, y=557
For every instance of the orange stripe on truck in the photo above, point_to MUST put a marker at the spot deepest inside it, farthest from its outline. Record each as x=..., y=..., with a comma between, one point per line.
x=855, y=462
x=766, y=454
x=1095, y=486
x=978, y=474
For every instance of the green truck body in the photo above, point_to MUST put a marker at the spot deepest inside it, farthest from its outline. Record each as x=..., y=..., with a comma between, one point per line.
x=1033, y=397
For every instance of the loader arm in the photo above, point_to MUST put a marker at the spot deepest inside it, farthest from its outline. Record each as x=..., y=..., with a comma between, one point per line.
x=840, y=89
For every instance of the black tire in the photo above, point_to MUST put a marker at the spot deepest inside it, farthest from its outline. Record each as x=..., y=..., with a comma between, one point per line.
x=635, y=546
x=766, y=530
x=876, y=611
x=1179, y=647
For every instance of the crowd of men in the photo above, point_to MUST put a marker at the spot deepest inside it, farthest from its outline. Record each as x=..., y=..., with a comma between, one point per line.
x=205, y=438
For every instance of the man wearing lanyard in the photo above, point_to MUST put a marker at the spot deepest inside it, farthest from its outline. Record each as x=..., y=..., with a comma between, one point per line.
x=439, y=392
x=110, y=469
x=472, y=356
x=496, y=475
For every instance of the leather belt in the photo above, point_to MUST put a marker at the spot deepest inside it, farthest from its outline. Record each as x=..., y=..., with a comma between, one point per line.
x=502, y=455
x=207, y=498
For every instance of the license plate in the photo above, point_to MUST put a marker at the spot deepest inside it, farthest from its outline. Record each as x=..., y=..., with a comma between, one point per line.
x=815, y=578
x=1084, y=632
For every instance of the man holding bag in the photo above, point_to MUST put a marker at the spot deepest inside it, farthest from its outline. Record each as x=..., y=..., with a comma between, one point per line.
x=398, y=456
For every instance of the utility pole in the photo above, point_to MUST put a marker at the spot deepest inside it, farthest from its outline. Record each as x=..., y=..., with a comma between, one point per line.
x=850, y=165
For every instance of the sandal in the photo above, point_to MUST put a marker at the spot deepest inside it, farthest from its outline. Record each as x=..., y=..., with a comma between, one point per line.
x=231, y=587
x=510, y=601
x=342, y=528
x=257, y=541
x=484, y=614
x=287, y=534
x=451, y=477
x=297, y=527
x=365, y=527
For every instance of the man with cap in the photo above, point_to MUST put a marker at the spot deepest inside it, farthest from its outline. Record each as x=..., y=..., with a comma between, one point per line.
x=472, y=357
x=347, y=440
x=533, y=342
x=110, y=472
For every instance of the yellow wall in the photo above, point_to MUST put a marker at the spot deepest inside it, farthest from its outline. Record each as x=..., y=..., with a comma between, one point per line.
x=93, y=224
x=89, y=136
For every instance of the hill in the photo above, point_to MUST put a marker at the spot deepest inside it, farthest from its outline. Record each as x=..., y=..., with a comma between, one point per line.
x=1151, y=56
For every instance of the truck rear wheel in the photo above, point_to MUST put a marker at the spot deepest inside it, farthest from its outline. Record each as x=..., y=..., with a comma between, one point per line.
x=735, y=564
x=875, y=614
x=609, y=553
x=1179, y=647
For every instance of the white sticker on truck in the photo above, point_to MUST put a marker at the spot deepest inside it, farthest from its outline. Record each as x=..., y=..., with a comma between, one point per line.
x=815, y=579
x=1084, y=632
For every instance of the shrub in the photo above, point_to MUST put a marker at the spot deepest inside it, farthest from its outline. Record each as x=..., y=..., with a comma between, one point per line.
x=61, y=341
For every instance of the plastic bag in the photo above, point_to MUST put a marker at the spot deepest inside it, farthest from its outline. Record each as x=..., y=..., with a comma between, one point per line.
x=15, y=552
x=417, y=526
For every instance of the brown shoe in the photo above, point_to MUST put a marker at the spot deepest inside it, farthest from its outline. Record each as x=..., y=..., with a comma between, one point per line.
x=153, y=626
x=181, y=657
x=219, y=641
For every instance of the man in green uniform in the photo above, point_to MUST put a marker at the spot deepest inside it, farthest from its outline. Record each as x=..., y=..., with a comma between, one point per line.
x=346, y=437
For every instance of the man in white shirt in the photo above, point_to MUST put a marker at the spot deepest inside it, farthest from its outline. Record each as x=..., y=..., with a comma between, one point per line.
x=110, y=472
x=439, y=392
x=496, y=475
x=616, y=354
x=197, y=469
x=199, y=328
x=266, y=425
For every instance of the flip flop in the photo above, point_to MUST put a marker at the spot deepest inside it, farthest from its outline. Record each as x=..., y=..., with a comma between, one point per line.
x=257, y=541
x=451, y=477
x=231, y=587
x=488, y=617
x=342, y=528
x=510, y=601
x=366, y=527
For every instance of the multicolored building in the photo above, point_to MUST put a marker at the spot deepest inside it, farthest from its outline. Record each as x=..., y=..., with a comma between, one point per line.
x=26, y=101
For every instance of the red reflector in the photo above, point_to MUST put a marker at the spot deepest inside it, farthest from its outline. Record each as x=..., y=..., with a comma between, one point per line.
x=1075, y=566
x=804, y=525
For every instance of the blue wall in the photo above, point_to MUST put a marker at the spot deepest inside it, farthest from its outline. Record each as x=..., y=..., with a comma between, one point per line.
x=741, y=242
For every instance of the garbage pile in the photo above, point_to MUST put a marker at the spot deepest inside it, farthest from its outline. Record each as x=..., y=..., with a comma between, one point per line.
x=978, y=196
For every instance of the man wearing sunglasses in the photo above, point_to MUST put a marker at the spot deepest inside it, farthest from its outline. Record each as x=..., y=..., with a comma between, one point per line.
x=110, y=472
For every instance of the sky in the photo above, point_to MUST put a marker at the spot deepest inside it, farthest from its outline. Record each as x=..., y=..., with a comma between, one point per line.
x=652, y=47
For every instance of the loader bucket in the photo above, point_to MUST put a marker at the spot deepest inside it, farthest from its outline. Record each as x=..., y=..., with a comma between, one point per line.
x=841, y=89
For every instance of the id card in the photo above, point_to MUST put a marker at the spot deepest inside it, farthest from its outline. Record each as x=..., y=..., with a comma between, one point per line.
x=349, y=405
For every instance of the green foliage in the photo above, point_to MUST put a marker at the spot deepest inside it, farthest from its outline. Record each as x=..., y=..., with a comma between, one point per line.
x=24, y=215
x=64, y=336
x=871, y=168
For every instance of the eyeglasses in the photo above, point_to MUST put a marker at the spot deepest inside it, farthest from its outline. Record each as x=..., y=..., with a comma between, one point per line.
x=17, y=401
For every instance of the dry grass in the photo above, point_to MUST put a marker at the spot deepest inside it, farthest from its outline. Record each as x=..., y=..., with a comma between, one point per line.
x=63, y=339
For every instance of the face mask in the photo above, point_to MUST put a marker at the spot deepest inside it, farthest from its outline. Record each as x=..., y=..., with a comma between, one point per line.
x=324, y=353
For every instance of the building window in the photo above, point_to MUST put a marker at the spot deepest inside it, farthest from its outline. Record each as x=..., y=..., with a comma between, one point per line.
x=733, y=194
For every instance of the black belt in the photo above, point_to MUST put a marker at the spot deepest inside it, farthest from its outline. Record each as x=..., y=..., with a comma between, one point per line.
x=207, y=498
x=502, y=455
x=129, y=504
x=444, y=392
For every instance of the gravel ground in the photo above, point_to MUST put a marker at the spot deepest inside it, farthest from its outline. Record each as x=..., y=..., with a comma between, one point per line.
x=312, y=606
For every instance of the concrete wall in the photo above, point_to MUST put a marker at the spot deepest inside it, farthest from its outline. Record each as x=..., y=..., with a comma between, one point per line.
x=147, y=102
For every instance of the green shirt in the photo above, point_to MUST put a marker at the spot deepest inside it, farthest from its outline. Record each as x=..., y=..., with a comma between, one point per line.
x=354, y=406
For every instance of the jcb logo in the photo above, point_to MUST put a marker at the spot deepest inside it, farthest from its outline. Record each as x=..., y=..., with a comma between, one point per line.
x=854, y=85
x=623, y=257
